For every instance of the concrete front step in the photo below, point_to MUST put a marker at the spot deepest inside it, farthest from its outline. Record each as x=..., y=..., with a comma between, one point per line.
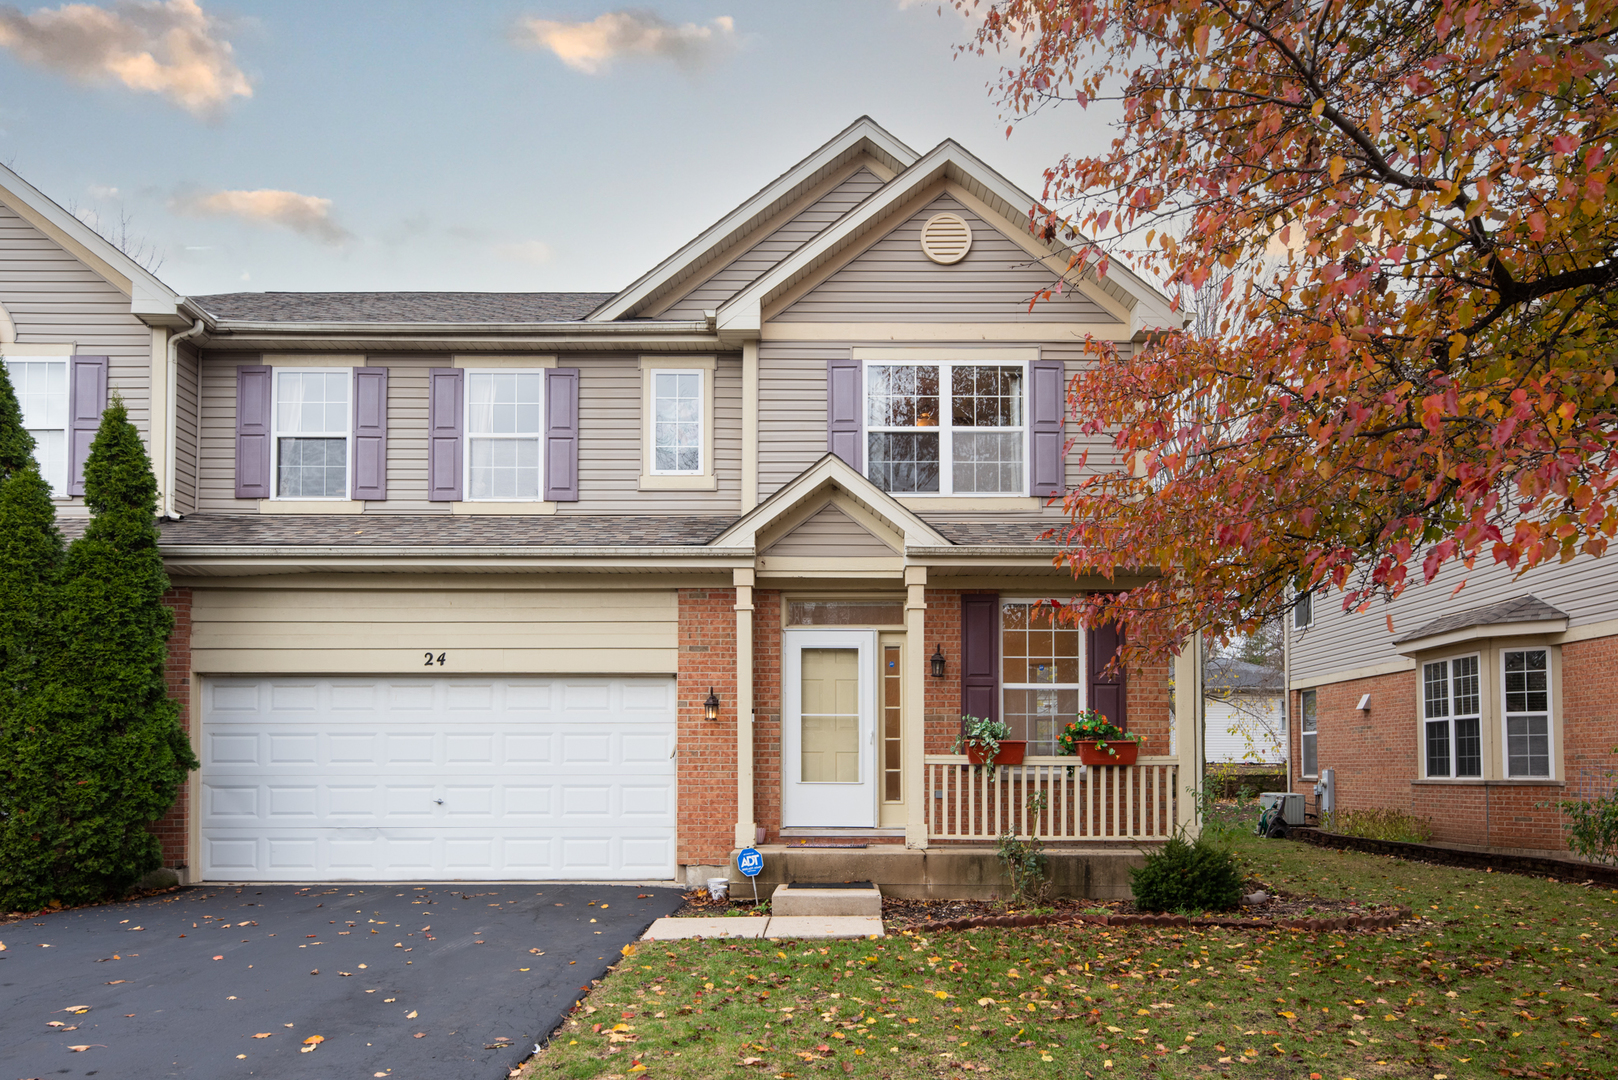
x=817, y=900
x=798, y=927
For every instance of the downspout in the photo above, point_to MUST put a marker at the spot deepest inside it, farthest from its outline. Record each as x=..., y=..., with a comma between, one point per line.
x=171, y=460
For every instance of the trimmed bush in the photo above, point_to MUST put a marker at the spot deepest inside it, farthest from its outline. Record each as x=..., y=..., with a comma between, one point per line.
x=95, y=751
x=1187, y=878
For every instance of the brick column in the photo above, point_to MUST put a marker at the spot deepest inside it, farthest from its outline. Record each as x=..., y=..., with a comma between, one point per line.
x=173, y=830
x=746, y=824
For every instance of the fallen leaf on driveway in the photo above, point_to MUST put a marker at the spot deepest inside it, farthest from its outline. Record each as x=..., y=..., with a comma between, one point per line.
x=219, y=958
x=411, y=1015
x=419, y=1035
x=346, y=974
x=82, y=1048
x=241, y=1057
x=264, y=1035
x=315, y=972
x=77, y=1009
x=315, y=1040
x=2, y=946
x=54, y=1023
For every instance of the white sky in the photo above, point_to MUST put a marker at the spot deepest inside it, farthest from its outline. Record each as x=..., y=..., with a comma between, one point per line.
x=487, y=145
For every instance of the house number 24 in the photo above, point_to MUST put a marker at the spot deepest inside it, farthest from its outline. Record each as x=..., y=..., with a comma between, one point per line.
x=432, y=659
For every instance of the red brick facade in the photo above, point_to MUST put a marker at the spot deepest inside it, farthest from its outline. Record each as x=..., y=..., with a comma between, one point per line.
x=172, y=830
x=706, y=777
x=1375, y=756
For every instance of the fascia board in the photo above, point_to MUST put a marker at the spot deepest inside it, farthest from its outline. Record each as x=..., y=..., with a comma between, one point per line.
x=863, y=131
x=130, y=278
x=1482, y=632
x=472, y=336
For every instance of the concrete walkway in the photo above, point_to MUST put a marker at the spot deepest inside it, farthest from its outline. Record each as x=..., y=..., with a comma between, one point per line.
x=801, y=927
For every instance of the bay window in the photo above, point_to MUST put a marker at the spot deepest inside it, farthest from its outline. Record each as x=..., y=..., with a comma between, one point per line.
x=1527, y=712
x=946, y=428
x=1452, y=719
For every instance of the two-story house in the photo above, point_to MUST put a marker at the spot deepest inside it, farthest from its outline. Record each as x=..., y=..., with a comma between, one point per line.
x=607, y=585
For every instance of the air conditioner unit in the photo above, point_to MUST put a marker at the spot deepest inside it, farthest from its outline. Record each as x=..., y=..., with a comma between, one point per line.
x=1290, y=802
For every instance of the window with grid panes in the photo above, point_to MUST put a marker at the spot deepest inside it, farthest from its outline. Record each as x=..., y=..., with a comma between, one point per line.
x=1528, y=712
x=677, y=422
x=41, y=389
x=312, y=418
x=1041, y=676
x=945, y=428
x=1450, y=710
x=503, y=420
x=1308, y=737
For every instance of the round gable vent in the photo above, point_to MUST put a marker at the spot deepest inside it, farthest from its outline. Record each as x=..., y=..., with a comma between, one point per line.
x=946, y=238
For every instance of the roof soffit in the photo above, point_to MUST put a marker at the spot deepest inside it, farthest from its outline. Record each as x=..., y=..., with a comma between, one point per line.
x=809, y=491
x=720, y=240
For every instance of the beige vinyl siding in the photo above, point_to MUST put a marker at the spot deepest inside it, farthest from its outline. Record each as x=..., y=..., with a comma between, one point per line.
x=216, y=482
x=186, y=386
x=53, y=298
x=792, y=411
x=496, y=625
x=407, y=435
x=893, y=281
x=829, y=533
x=1587, y=589
x=730, y=279
x=610, y=434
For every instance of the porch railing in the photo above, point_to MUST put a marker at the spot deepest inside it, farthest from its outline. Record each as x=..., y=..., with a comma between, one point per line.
x=1081, y=803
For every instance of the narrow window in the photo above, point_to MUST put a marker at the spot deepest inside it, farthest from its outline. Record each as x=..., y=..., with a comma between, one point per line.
x=502, y=431
x=1468, y=719
x=947, y=429
x=1528, y=721
x=41, y=388
x=1452, y=725
x=892, y=725
x=311, y=434
x=677, y=422
x=1307, y=738
x=1303, y=612
x=1041, y=674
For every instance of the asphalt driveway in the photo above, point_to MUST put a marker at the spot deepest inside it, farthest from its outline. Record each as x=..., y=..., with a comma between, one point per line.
x=399, y=981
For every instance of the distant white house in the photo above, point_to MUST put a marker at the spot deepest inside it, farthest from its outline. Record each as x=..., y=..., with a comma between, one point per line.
x=1244, y=721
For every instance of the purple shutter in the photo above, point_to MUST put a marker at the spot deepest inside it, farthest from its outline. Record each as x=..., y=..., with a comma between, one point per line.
x=253, y=432
x=980, y=655
x=843, y=395
x=1107, y=691
x=1047, y=406
x=86, y=401
x=370, y=476
x=562, y=434
x=446, y=414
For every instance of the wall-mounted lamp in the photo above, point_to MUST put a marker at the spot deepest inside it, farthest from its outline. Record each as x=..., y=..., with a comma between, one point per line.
x=938, y=661
x=710, y=708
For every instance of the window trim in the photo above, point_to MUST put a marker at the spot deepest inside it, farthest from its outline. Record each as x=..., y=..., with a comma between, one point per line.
x=1001, y=685
x=58, y=494
x=650, y=479
x=1552, y=757
x=467, y=434
x=1304, y=733
x=275, y=436
x=945, y=360
x=1422, y=719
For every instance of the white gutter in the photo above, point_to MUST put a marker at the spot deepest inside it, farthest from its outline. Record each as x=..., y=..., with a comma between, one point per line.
x=170, y=460
x=541, y=329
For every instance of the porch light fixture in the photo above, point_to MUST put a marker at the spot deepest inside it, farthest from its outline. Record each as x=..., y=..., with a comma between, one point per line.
x=710, y=708
x=938, y=661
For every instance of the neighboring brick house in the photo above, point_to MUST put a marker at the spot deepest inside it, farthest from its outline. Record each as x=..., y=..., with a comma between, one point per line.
x=1478, y=710
x=604, y=585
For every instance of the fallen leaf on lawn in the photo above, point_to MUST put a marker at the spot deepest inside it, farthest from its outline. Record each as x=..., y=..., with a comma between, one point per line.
x=627, y=950
x=751, y=1060
x=264, y=1035
x=411, y=1015
x=941, y=995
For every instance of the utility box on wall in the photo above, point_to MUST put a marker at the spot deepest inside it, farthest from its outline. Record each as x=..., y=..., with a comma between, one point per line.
x=1326, y=791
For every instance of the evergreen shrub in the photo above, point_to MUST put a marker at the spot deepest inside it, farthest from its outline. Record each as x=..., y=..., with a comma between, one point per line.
x=1186, y=878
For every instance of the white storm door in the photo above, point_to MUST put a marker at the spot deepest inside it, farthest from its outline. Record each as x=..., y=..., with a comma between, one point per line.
x=828, y=729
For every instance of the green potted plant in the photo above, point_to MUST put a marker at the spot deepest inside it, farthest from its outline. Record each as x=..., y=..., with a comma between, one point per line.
x=985, y=742
x=1098, y=741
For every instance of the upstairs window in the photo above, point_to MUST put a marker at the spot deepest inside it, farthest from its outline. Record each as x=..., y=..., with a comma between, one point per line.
x=503, y=419
x=1303, y=611
x=1452, y=718
x=41, y=388
x=946, y=428
x=1528, y=712
x=311, y=433
x=677, y=406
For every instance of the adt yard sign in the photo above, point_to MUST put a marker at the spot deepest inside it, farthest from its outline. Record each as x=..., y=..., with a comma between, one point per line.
x=750, y=862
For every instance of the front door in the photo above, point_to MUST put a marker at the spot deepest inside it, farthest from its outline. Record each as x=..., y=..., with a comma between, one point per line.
x=828, y=744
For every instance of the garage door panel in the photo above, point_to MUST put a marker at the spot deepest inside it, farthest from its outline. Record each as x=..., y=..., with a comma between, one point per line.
x=309, y=779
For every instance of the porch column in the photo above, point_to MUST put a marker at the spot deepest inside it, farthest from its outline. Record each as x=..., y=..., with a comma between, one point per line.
x=1188, y=732
x=745, y=825
x=914, y=707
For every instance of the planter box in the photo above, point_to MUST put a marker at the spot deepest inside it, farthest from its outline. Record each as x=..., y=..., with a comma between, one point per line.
x=1124, y=752
x=1011, y=753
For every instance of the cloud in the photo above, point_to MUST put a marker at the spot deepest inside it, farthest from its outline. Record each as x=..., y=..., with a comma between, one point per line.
x=168, y=47
x=526, y=251
x=306, y=214
x=590, y=46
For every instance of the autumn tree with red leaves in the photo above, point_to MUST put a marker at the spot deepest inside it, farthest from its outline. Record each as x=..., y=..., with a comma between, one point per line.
x=1412, y=206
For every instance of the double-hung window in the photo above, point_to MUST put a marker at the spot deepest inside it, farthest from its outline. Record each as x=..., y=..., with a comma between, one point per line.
x=41, y=388
x=677, y=423
x=503, y=418
x=1527, y=712
x=947, y=428
x=1452, y=718
x=1041, y=674
x=1308, y=750
x=1303, y=611
x=311, y=433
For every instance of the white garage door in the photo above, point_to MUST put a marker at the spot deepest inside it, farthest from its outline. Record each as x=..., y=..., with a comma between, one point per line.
x=437, y=779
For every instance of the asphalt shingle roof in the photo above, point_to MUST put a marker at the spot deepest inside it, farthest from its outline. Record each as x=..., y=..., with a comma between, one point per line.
x=1517, y=609
x=1001, y=531
x=442, y=530
x=403, y=307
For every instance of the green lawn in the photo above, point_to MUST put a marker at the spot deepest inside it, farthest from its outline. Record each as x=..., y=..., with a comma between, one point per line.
x=1503, y=975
